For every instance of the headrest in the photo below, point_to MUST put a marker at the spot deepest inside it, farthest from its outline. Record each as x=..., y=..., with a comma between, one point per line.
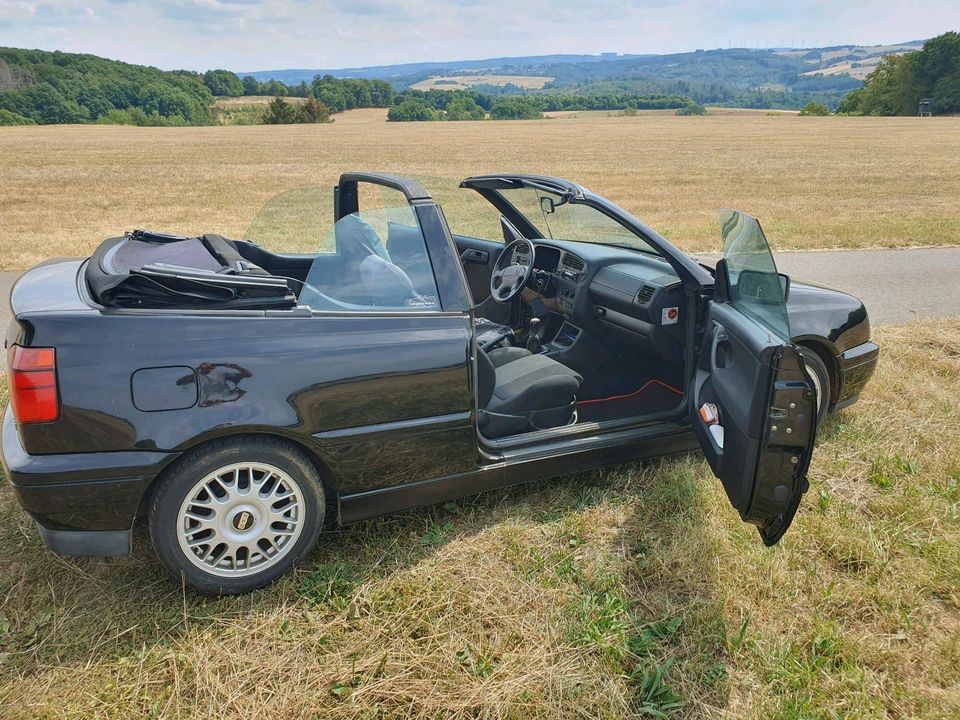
x=355, y=239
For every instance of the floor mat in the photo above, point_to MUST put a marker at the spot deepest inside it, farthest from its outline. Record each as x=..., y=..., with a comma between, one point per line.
x=653, y=397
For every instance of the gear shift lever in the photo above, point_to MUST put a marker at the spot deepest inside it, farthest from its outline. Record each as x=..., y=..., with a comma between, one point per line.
x=533, y=339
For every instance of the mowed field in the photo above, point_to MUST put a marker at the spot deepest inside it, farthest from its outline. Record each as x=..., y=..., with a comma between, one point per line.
x=814, y=182
x=629, y=592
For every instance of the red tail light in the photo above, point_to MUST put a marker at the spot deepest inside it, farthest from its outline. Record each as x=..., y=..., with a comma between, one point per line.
x=33, y=384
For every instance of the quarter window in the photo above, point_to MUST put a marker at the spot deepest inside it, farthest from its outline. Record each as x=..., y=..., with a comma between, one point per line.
x=378, y=261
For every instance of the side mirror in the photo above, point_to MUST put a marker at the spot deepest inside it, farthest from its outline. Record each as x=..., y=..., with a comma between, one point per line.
x=547, y=205
x=785, y=285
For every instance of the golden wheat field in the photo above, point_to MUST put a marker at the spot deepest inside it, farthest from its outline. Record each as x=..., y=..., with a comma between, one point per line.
x=620, y=593
x=814, y=182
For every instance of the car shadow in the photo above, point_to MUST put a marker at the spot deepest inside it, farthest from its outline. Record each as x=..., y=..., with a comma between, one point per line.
x=645, y=519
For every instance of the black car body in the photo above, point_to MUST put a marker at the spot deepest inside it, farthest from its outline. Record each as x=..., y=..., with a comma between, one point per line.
x=386, y=402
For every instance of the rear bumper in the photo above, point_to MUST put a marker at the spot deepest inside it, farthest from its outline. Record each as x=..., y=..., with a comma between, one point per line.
x=84, y=503
x=856, y=368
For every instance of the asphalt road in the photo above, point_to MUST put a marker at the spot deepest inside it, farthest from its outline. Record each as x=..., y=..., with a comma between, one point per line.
x=897, y=286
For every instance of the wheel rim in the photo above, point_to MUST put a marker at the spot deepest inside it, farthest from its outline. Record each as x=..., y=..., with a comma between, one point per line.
x=240, y=519
x=817, y=386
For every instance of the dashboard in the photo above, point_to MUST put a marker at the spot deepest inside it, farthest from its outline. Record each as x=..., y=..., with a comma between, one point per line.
x=632, y=298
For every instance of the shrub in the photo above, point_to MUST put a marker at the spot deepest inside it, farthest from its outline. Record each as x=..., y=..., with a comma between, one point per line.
x=411, y=110
x=515, y=107
x=815, y=108
x=279, y=112
x=8, y=117
x=464, y=108
x=313, y=111
x=692, y=109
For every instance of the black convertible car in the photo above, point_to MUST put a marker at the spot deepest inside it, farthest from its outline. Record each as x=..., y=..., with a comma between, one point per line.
x=235, y=394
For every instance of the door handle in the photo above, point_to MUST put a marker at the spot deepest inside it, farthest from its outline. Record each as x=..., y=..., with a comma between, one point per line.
x=717, y=346
x=472, y=255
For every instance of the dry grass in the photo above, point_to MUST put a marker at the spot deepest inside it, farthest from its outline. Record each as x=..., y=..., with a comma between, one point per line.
x=815, y=182
x=607, y=594
x=465, y=82
x=244, y=100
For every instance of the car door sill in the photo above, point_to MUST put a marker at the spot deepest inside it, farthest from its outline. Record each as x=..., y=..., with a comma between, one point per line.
x=589, y=429
x=560, y=445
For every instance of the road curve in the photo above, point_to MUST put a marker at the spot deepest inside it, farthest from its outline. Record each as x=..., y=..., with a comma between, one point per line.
x=897, y=286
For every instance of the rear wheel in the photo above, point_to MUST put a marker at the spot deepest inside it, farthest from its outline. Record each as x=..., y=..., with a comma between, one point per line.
x=237, y=514
x=820, y=377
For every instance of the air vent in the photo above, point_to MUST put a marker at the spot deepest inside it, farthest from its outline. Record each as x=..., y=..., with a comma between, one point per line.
x=572, y=262
x=645, y=294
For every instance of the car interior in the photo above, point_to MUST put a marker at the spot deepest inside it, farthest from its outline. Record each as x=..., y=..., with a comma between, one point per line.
x=593, y=332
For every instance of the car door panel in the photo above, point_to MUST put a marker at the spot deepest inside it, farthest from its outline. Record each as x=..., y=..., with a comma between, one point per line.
x=766, y=408
x=478, y=257
x=753, y=407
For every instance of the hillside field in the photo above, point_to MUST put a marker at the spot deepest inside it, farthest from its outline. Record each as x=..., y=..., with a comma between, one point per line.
x=814, y=182
x=465, y=82
x=628, y=592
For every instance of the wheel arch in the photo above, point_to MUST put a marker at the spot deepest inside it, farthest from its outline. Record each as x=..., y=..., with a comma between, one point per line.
x=823, y=350
x=324, y=472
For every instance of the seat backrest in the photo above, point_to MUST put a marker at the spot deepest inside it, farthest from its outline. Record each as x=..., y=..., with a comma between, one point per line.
x=356, y=239
x=486, y=379
x=408, y=250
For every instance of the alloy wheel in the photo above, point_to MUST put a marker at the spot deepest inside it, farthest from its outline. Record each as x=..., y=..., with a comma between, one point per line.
x=240, y=519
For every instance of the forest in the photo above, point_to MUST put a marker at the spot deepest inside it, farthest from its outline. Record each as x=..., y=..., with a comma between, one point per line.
x=38, y=87
x=900, y=81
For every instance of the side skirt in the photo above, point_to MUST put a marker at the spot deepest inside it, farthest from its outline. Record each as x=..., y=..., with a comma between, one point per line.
x=549, y=462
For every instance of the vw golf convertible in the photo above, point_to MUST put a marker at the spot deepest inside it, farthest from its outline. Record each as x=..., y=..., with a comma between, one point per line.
x=357, y=354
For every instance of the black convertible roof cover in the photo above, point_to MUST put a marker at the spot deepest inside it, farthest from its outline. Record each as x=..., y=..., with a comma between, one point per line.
x=144, y=269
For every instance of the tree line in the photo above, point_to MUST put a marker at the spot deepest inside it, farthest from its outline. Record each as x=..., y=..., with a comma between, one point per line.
x=900, y=81
x=55, y=87
x=412, y=105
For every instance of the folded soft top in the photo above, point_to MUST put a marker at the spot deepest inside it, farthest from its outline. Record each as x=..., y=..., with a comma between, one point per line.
x=144, y=269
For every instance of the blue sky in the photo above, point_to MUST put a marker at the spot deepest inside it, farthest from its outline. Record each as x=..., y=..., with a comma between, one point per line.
x=260, y=34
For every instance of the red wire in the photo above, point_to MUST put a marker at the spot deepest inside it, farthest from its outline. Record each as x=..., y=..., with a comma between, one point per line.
x=633, y=394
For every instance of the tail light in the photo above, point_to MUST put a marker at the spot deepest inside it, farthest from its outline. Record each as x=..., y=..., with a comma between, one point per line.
x=33, y=384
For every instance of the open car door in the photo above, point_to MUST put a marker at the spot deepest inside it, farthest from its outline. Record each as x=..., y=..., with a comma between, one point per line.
x=753, y=408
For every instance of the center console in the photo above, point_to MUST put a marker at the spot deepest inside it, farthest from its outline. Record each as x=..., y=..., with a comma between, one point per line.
x=566, y=296
x=565, y=338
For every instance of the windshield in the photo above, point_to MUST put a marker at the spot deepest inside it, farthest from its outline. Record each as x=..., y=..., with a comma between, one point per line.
x=756, y=288
x=557, y=218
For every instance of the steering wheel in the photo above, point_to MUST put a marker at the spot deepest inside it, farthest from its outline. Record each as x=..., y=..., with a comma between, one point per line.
x=508, y=280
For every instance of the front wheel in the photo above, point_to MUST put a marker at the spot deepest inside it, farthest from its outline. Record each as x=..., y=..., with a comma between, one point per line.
x=820, y=377
x=237, y=514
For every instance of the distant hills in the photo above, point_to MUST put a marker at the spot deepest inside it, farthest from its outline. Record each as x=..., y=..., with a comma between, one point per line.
x=294, y=76
x=778, y=77
x=54, y=87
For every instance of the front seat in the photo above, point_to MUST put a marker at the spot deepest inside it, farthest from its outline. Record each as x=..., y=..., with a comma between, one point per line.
x=519, y=392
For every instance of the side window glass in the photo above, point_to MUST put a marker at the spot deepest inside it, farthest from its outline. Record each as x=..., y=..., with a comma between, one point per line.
x=756, y=289
x=379, y=259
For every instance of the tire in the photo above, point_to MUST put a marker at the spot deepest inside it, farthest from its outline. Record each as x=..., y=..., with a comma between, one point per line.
x=818, y=373
x=257, y=502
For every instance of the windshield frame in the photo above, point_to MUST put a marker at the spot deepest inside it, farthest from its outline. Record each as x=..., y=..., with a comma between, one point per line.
x=488, y=187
